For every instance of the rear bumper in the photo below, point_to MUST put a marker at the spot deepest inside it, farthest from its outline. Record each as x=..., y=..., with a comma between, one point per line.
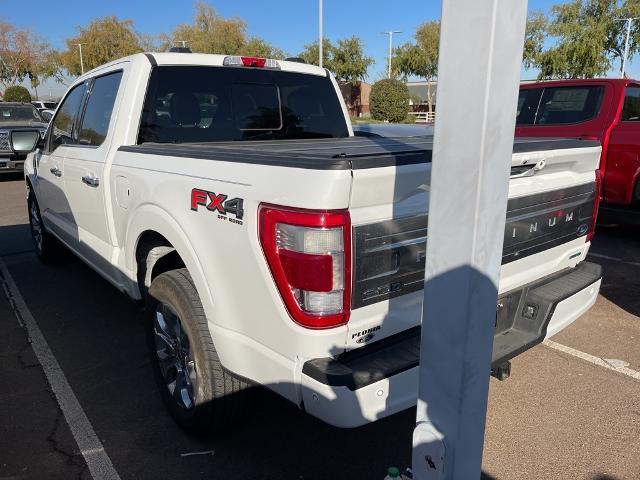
x=380, y=379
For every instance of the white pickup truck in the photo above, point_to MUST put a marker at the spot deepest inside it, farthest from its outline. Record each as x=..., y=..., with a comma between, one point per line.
x=271, y=246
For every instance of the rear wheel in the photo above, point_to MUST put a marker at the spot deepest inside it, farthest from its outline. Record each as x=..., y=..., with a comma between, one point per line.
x=46, y=246
x=200, y=395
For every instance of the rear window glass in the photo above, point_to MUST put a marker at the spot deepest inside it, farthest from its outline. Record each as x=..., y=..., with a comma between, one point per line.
x=256, y=106
x=562, y=105
x=631, y=108
x=211, y=104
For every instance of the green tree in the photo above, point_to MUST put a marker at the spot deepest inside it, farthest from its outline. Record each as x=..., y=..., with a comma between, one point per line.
x=103, y=40
x=311, y=53
x=420, y=59
x=588, y=40
x=534, y=38
x=21, y=54
x=348, y=61
x=47, y=66
x=212, y=33
x=17, y=93
x=389, y=100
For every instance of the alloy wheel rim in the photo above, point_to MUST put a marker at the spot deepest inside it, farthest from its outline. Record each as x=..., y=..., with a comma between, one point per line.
x=175, y=359
x=36, y=226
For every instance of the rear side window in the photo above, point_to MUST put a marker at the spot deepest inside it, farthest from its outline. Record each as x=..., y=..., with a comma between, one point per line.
x=97, y=114
x=631, y=107
x=65, y=119
x=212, y=104
x=528, y=101
x=565, y=105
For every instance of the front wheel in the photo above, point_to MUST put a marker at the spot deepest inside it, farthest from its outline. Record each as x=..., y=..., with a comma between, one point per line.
x=200, y=395
x=45, y=245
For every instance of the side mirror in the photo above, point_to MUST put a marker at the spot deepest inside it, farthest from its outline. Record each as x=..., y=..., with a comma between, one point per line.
x=24, y=141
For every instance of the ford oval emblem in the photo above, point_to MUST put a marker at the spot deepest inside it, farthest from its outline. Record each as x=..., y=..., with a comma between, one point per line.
x=582, y=229
x=365, y=339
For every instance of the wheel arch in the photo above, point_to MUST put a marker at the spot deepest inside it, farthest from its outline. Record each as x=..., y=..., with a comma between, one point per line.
x=152, y=229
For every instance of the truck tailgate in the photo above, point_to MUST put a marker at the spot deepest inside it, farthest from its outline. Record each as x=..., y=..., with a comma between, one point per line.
x=551, y=200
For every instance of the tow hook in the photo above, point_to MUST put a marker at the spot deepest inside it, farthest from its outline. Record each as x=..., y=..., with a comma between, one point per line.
x=501, y=371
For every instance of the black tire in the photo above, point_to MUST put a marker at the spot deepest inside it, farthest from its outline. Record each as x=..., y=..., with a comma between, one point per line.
x=216, y=396
x=46, y=246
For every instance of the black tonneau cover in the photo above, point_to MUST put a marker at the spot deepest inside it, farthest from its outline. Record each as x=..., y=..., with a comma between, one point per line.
x=350, y=153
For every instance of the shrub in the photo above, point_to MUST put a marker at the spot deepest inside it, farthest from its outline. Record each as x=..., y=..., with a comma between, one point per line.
x=17, y=93
x=389, y=100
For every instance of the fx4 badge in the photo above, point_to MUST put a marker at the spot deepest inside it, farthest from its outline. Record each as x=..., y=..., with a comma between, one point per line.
x=217, y=202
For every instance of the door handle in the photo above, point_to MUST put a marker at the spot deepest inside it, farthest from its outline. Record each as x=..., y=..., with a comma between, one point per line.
x=91, y=181
x=56, y=171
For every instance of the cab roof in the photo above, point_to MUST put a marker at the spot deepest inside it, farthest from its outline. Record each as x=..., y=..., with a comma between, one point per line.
x=205, y=59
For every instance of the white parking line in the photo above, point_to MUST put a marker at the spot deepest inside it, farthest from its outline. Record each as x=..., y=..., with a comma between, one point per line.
x=613, y=259
x=91, y=448
x=591, y=359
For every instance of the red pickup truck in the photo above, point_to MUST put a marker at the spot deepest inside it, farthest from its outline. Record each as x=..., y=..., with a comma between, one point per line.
x=607, y=110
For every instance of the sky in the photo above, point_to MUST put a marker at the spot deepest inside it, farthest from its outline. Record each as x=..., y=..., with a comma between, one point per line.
x=287, y=24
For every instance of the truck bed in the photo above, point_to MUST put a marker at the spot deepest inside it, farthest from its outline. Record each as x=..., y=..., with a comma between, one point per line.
x=350, y=153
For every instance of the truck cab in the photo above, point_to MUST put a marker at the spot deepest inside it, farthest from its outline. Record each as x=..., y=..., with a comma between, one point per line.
x=606, y=110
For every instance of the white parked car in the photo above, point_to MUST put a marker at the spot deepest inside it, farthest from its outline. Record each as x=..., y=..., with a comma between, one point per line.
x=42, y=105
x=270, y=246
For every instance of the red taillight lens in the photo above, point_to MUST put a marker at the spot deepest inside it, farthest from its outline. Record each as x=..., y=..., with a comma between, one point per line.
x=309, y=255
x=253, y=61
x=596, y=204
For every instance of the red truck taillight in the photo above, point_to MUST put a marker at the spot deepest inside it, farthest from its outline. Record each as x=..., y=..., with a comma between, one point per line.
x=596, y=204
x=309, y=255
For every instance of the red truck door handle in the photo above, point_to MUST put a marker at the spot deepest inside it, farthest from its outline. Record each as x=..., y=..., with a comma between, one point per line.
x=588, y=137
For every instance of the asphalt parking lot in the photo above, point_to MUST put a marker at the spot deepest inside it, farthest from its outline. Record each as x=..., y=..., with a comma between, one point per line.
x=562, y=414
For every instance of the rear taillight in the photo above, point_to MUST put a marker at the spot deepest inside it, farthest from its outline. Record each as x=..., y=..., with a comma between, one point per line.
x=309, y=255
x=256, y=62
x=596, y=204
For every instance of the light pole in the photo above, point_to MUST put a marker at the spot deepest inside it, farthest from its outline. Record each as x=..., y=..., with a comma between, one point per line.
x=390, y=33
x=320, y=33
x=472, y=149
x=79, y=45
x=626, y=42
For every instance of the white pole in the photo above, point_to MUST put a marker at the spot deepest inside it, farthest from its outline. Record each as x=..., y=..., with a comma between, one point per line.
x=320, y=39
x=81, y=61
x=626, y=42
x=626, y=46
x=390, y=34
x=390, y=45
x=469, y=185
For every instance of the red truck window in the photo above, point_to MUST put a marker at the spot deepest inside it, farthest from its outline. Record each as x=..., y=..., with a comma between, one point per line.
x=558, y=105
x=631, y=107
x=562, y=105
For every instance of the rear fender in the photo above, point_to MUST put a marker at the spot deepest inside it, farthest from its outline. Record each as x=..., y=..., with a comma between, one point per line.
x=150, y=217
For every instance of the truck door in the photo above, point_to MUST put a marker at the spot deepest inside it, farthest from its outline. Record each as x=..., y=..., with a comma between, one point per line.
x=61, y=137
x=623, y=160
x=84, y=179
